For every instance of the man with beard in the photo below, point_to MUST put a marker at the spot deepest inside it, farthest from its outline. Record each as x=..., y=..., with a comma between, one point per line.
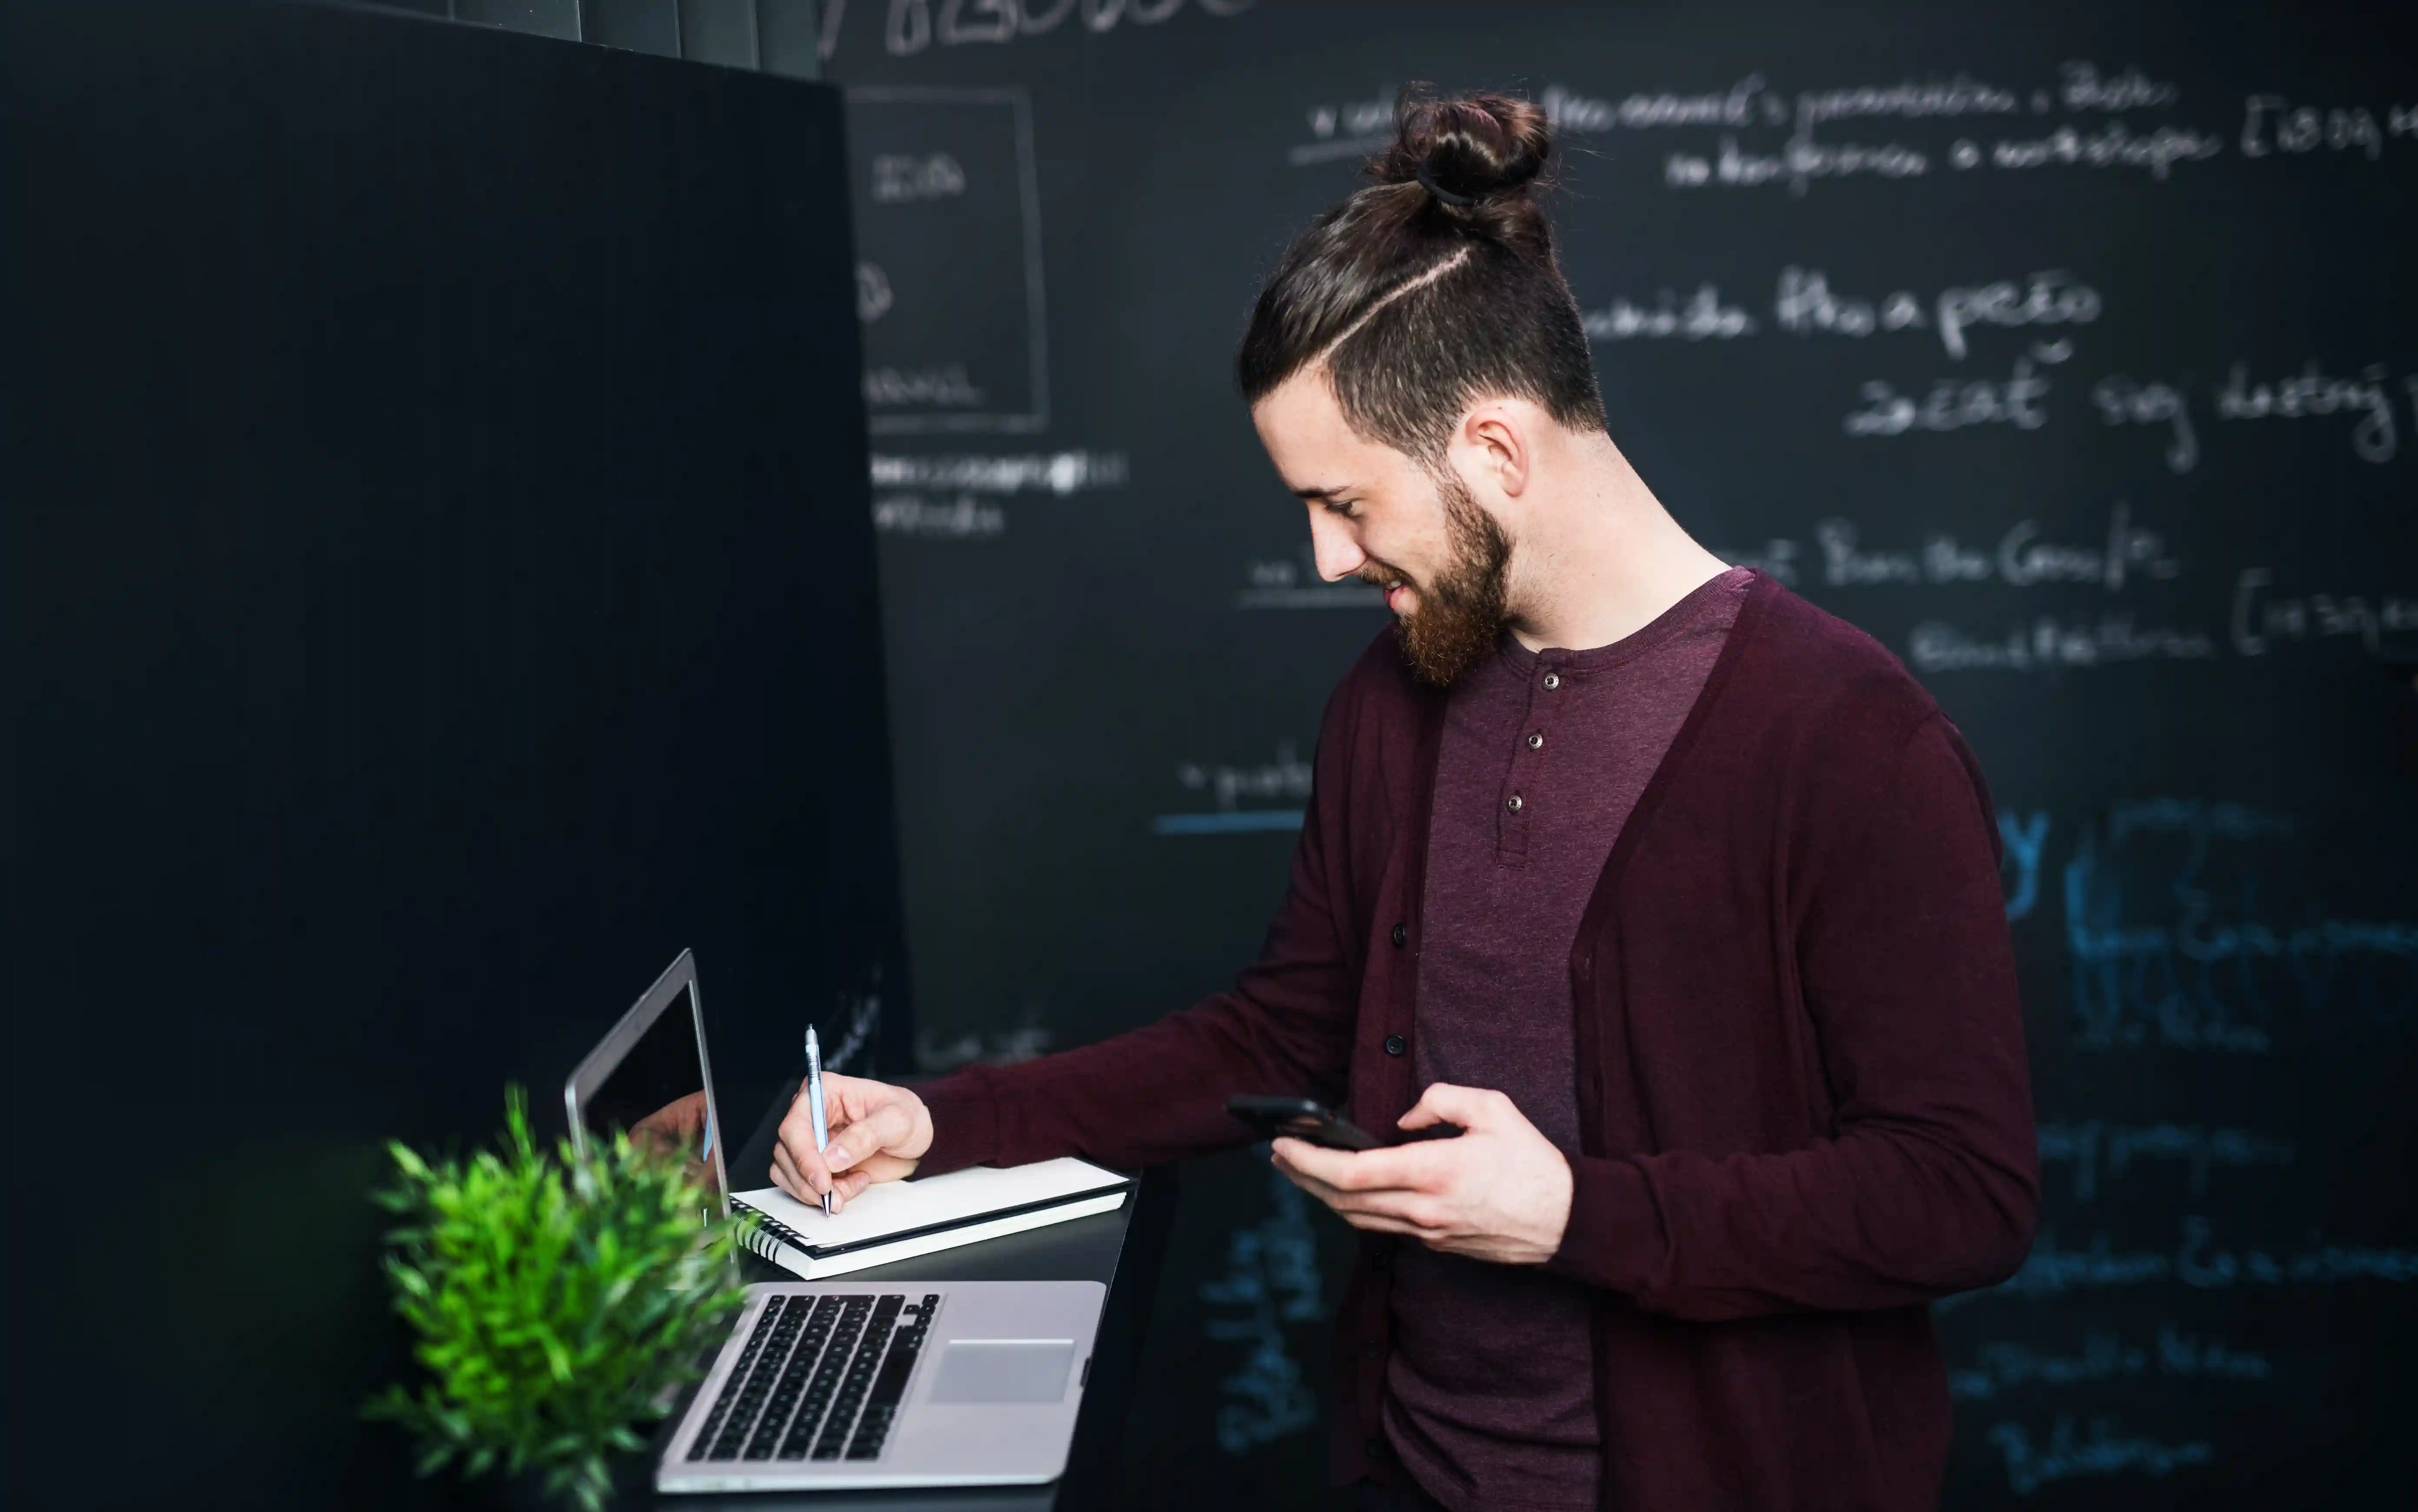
x=1677, y=895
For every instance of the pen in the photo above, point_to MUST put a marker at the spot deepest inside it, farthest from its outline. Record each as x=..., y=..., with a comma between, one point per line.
x=815, y=1097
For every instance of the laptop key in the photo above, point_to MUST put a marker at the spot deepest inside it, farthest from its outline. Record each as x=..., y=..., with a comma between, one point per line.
x=737, y=1378
x=819, y=1392
x=733, y=1437
x=733, y=1384
x=792, y=1385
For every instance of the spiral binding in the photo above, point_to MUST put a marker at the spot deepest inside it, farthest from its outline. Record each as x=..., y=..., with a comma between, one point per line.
x=769, y=1231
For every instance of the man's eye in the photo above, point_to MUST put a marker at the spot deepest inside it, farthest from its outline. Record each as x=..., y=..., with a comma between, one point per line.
x=1348, y=510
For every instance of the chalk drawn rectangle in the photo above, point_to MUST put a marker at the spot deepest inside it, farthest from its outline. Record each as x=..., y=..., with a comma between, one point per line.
x=950, y=286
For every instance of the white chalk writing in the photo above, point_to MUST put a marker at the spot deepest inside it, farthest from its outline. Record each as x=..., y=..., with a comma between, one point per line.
x=2048, y=644
x=2261, y=617
x=1286, y=776
x=2021, y=557
x=911, y=26
x=1955, y=404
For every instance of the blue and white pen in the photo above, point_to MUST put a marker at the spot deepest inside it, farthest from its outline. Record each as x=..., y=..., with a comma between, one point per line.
x=815, y=1097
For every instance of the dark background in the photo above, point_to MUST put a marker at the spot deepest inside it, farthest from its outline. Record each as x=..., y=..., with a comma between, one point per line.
x=1107, y=653
x=440, y=590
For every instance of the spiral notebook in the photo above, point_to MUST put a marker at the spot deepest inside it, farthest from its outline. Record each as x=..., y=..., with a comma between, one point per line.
x=896, y=1220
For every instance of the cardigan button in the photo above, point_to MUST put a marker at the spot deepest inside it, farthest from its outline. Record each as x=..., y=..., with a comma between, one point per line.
x=1396, y=1045
x=1372, y=1351
x=1402, y=936
x=1375, y=1448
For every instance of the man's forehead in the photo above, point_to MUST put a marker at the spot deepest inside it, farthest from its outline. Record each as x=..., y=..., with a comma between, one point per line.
x=1312, y=445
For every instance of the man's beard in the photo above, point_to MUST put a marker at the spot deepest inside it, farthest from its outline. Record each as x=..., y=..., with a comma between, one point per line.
x=1462, y=613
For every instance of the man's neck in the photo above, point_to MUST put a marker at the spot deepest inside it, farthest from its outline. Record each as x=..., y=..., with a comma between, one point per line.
x=1603, y=559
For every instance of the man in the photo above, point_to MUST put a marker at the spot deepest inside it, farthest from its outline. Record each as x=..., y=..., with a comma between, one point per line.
x=1677, y=895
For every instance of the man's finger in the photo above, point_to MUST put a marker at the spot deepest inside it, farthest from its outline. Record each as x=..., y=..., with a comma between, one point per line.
x=1385, y=1203
x=785, y=1175
x=1311, y=1185
x=876, y=1131
x=798, y=1138
x=1415, y=1209
x=1353, y=1171
x=1378, y=1224
x=850, y=1097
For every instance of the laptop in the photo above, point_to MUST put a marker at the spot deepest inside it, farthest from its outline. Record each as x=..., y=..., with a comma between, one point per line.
x=839, y=1385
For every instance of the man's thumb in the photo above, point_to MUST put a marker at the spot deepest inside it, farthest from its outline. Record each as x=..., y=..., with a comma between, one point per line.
x=1442, y=1103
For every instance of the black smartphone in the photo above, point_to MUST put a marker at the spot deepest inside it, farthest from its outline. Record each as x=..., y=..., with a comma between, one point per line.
x=1308, y=1120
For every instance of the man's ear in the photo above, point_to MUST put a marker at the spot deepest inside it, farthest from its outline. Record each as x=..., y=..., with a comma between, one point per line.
x=1497, y=444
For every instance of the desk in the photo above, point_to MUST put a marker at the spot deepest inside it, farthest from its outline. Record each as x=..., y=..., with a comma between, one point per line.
x=1122, y=1249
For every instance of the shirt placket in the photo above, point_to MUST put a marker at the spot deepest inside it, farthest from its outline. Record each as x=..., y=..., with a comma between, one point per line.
x=1524, y=780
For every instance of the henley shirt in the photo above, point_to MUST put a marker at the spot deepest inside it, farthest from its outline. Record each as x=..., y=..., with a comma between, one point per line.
x=1489, y=1395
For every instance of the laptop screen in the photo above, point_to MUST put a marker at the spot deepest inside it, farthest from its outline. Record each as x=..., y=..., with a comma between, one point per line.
x=656, y=1093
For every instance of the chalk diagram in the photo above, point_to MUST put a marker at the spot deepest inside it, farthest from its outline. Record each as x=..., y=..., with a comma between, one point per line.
x=949, y=277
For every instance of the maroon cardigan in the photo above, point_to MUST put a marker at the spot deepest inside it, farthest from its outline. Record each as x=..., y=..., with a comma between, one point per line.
x=1802, y=1074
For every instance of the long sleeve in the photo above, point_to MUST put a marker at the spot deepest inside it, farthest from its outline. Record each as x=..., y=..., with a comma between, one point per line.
x=1158, y=1092
x=1928, y=1182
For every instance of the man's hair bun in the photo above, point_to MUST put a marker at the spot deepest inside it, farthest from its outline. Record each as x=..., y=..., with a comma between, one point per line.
x=1478, y=155
x=1433, y=286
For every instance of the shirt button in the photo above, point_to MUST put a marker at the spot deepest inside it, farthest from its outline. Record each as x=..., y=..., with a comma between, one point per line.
x=1376, y=1448
x=1395, y=1045
x=1553, y=679
x=1536, y=742
x=1371, y=1351
x=1400, y=936
x=1512, y=802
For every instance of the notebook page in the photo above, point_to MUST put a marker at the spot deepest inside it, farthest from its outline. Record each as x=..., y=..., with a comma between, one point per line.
x=895, y=1207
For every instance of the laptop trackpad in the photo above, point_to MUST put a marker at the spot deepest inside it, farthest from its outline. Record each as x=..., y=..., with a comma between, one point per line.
x=1003, y=1370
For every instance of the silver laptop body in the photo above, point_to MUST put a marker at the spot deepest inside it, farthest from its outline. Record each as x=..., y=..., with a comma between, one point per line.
x=969, y=1383
x=844, y=1384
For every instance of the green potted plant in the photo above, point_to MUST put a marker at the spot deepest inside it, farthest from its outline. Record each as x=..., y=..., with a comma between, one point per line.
x=558, y=1301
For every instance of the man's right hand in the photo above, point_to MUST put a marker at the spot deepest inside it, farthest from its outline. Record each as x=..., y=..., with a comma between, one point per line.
x=878, y=1133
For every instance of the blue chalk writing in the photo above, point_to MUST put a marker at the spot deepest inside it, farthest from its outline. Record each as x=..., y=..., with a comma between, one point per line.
x=2051, y=1271
x=2211, y=972
x=1241, y=821
x=2095, y=1148
x=1999, y=1369
x=2183, y=1354
x=2101, y=1450
x=1272, y=1276
x=2198, y=1259
x=2025, y=839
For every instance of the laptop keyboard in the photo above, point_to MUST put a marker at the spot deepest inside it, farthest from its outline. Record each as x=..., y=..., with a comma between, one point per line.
x=820, y=1378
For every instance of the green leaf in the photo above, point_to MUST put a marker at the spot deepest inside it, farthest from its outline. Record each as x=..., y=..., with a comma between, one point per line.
x=554, y=1294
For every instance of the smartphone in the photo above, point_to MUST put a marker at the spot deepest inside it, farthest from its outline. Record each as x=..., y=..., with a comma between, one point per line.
x=1308, y=1120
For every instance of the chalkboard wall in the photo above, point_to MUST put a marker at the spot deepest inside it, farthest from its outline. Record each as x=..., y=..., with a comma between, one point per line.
x=2070, y=350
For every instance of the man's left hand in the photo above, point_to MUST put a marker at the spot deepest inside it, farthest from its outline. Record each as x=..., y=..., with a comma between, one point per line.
x=1500, y=1192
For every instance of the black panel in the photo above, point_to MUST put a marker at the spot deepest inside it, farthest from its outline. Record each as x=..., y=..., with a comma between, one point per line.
x=441, y=589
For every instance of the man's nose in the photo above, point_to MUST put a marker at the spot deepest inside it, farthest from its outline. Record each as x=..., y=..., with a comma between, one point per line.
x=1331, y=546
